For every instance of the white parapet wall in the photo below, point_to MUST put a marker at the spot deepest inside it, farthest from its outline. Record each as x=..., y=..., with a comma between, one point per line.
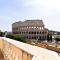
x=37, y=52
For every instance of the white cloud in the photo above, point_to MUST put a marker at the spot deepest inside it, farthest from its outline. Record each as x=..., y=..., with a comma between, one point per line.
x=44, y=3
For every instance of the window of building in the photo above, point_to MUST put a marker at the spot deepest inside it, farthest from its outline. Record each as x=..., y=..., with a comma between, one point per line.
x=26, y=32
x=23, y=32
x=40, y=37
x=29, y=32
x=20, y=32
x=40, y=28
x=27, y=27
x=27, y=37
x=32, y=37
x=34, y=32
x=37, y=27
x=40, y=32
x=34, y=27
x=37, y=32
x=35, y=37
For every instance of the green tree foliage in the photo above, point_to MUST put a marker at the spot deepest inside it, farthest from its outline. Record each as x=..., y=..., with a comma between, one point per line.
x=57, y=39
x=49, y=37
x=16, y=37
x=2, y=34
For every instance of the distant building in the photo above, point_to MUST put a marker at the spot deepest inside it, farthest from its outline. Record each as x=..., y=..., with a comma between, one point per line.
x=31, y=29
x=54, y=34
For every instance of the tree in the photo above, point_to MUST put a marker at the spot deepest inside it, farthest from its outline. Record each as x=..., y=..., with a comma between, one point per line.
x=57, y=39
x=49, y=37
x=17, y=37
x=2, y=34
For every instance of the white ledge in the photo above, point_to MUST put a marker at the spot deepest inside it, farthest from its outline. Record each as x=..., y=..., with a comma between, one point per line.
x=37, y=52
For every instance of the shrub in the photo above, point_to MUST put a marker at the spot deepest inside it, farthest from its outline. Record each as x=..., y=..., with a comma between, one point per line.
x=16, y=37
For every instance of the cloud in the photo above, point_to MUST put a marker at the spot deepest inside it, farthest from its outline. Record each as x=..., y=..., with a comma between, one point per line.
x=15, y=10
x=44, y=3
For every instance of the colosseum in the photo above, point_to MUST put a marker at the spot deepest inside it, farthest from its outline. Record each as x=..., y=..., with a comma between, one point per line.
x=31, y=29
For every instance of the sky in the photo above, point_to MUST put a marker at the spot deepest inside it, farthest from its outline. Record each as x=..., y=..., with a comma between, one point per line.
x=20, y=10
